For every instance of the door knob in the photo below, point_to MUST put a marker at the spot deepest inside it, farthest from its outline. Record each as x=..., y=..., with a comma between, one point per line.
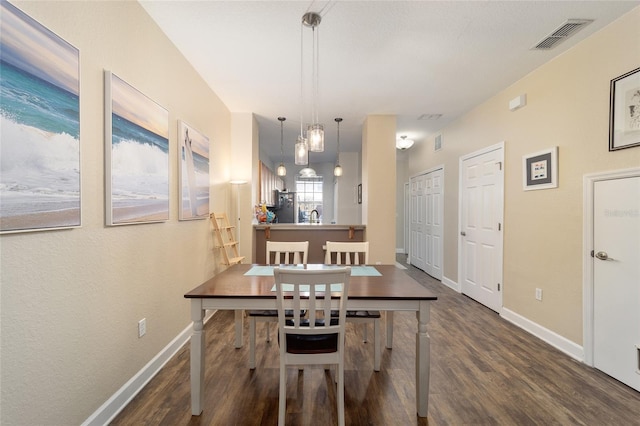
x=464, y=234
x=602, y=255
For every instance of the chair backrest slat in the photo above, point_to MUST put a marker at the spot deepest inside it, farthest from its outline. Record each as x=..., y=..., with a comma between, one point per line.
x=311, y=290
x=345, y=251
x=287, y=252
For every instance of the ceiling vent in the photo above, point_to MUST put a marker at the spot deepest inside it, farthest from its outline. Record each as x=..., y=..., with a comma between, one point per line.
x=563, y=32
x=430, y=117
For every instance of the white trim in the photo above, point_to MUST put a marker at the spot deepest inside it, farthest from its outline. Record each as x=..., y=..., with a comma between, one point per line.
x=557, y=341
x=425, y=172
x=499, y=146
x=119, y=400
x=589, y=181
x=451, y=284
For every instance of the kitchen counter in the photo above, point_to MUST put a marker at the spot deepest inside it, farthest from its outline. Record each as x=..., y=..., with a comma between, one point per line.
x=316, y=233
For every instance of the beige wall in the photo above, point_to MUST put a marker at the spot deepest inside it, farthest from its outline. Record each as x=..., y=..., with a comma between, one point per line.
x=379, y=186
x=567, y=106
x=71, y=300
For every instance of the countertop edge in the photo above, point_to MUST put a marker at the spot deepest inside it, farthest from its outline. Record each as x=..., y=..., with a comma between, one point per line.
x=306, y=226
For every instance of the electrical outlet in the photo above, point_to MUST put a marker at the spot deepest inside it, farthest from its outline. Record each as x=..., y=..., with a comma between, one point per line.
x=538, y=294
x=142, y=327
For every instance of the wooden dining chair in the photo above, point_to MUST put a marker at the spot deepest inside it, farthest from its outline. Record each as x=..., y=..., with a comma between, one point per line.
x=357, y=253
x=278, y=253
x=312, y=340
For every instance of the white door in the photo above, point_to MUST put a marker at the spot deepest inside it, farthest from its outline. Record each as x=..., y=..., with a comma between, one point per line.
x=481, y=210
x=616, y=279
x=433, y=225
x=418, y=218
x=407, y=218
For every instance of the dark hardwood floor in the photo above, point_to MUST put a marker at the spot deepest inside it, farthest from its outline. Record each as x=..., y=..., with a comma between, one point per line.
x=484, y=371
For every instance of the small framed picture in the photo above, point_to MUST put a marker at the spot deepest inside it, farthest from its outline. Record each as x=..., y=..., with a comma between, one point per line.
x=540, y=170
x=624, y=111
x=359, y=193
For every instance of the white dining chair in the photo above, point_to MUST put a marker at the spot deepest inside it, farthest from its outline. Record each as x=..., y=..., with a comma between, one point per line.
x=357, y=253
x=312, y=340
x=277, y=253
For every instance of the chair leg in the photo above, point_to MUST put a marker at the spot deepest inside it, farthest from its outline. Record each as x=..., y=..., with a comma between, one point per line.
x=252, y=342
x=389, y=321
x=340, y=374
x=282, y=403
x=376, y=345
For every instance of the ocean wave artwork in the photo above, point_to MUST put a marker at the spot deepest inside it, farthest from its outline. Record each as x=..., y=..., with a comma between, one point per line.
x=137, y=155
x=39, y=126
x=194, y=173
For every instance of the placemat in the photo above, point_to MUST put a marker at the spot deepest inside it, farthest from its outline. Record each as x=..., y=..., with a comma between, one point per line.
x=356, y=271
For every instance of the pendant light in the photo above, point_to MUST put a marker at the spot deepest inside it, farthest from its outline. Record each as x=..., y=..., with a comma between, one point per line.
x=337, y=171
x=315, y=130
x=282, y=170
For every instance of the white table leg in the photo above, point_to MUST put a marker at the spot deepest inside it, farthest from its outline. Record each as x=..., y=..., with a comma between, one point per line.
x=389, y=320
x=239, y=313
x=197, y=357
x=422, y=360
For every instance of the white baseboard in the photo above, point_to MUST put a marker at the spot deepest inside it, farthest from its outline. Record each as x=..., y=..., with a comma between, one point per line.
x=451, y=284
x=561, y=343
x=110, y=409
x=400, y=250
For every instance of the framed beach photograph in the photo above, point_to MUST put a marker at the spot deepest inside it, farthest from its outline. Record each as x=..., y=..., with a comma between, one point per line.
x=540, y=170
x=624, y=111
x=193, y=169
x=40, y=126
x=136, y=155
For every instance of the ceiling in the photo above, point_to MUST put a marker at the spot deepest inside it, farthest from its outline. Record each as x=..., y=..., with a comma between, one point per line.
x=408, y=58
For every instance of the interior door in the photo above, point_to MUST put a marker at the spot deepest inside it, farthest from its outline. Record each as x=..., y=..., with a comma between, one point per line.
x=481, y=209
x=616, y=279
x=433, y=224
x=418, y=218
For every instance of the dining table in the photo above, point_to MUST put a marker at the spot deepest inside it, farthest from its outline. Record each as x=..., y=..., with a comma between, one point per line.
x=372, y=287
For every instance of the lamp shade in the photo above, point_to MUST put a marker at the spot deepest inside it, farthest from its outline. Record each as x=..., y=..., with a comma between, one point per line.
x=404, y=143
x=337, y=171
x=282, y=170
x=315, y=135
x=301, y=152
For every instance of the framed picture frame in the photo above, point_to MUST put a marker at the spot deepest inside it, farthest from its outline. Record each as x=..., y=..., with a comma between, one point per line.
x=193, y=172
x=136, y=156
x=359, y=193
x=540, y=170
x=624, y=111
x=40, y=126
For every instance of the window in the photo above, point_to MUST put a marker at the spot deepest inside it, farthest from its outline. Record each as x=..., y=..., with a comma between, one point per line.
x=309, y=193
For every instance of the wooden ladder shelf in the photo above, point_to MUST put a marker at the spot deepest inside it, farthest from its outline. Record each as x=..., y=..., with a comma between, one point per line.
x=224, y=234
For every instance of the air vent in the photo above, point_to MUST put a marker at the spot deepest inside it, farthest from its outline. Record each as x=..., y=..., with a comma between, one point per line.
x=429, y=116
x=437, y=143
x=567, y=29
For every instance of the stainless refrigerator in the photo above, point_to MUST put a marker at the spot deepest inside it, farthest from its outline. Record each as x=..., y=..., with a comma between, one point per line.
x=286, y=208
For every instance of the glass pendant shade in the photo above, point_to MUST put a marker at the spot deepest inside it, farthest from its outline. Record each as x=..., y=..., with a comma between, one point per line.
x=315, y=135
x=282, y=170
x=301, y=152
x=337, y=171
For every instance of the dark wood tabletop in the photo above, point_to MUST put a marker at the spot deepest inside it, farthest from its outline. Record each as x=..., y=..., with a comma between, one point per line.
x=394, y=283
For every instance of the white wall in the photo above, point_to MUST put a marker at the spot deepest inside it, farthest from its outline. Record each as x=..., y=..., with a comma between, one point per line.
x=71, y=300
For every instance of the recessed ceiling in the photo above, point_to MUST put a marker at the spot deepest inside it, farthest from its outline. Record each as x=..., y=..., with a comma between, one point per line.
x=408, y=58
